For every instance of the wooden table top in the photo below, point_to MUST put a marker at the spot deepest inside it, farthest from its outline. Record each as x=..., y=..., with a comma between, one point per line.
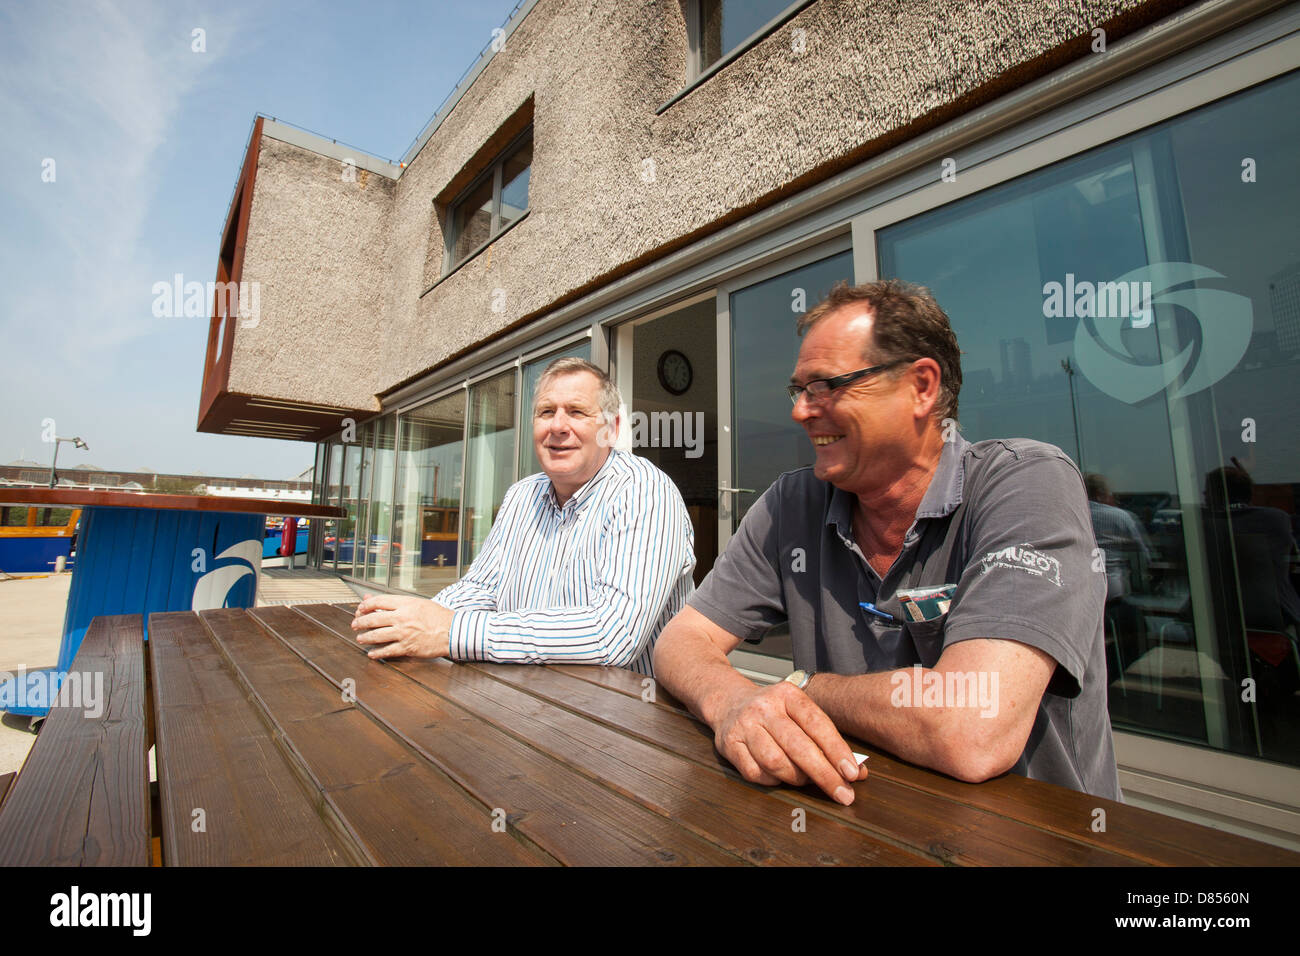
x=280, y=742
x=82, y=497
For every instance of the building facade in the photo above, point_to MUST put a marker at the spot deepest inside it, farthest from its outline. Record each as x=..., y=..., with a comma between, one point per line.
x=1099, y=192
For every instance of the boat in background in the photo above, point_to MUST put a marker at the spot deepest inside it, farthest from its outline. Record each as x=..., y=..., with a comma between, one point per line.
x=35, y=545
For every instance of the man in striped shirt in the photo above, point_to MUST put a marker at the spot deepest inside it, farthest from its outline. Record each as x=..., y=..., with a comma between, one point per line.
x=585, y=563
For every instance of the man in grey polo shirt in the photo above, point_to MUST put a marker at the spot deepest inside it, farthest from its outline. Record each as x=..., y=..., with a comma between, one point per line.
x=943, y=598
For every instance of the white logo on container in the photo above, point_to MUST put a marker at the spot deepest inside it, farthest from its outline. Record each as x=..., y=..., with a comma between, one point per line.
x=213, y=588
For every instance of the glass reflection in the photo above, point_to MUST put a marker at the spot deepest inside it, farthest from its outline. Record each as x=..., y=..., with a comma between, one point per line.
x=426, y=520
x=490, y=460
x=1192, y=489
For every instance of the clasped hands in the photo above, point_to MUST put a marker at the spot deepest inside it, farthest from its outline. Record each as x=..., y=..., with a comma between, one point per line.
x=777, y=734
x=403, y=626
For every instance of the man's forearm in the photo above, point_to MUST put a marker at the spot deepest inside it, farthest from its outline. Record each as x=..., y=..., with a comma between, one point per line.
x=942, y=738
x=696, y=672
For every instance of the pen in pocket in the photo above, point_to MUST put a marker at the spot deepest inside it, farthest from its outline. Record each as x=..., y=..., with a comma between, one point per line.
x=872, y=609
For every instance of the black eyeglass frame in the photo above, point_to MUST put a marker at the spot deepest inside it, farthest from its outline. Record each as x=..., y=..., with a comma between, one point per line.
x=838, y=381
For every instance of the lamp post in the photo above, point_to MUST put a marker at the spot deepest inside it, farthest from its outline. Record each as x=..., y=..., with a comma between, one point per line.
x=77, y=442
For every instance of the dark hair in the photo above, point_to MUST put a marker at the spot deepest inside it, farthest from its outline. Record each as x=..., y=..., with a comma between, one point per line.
x=908, y=325
x=1097, y=487
x=1236, y=483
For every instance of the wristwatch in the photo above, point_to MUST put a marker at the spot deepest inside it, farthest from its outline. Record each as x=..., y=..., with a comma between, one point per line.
x=799, y=678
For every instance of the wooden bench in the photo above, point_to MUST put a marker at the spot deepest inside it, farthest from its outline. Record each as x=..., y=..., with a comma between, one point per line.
x=82, y=796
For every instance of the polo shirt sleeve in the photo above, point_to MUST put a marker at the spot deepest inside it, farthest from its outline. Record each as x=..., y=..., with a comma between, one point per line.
x=743, y=592
x=1031, y=574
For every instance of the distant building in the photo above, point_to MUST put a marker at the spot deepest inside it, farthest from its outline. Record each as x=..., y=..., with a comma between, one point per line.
x=24, y=473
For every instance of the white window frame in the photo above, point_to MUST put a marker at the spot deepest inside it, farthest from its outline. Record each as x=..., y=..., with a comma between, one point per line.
x=496, y=229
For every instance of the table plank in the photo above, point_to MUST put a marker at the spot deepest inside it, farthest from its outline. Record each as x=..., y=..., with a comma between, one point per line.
x=393, y=802
x=745, y=819
x=578, y=821
x=215, y=754
x=1145, y=835
x=624, y=682
x=950, y=831
x=1141, y=836
x=82, y=797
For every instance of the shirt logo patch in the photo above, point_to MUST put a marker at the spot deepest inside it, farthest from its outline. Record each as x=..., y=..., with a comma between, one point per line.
x=1024, y=558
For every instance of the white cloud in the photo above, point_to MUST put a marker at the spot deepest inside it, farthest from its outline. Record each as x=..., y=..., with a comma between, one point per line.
x=97, y=87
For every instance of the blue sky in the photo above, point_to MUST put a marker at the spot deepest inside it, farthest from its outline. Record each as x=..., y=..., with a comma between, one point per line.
x=147, y=136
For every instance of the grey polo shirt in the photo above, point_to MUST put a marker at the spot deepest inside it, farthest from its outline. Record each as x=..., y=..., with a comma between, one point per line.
x=1007, y=522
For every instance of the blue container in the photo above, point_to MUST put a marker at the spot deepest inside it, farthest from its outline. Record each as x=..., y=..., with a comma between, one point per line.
x=142, y=560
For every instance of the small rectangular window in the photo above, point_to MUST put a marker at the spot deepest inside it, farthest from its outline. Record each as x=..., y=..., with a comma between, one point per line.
x=496, y=199
x=721, y=28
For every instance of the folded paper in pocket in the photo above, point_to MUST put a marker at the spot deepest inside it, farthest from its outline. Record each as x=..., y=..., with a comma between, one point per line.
x=926, y=604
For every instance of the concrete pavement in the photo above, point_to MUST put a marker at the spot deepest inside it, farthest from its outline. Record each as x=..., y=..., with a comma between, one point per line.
x=31, y=626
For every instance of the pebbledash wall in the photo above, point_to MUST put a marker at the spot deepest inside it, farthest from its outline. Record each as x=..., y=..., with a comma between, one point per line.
x=664, y=195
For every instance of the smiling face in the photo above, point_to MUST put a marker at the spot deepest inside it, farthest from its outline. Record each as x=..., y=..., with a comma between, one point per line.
x=865, y=432
x=568, y=425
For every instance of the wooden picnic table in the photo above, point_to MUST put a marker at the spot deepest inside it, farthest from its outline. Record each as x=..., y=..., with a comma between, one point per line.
x=279, y=742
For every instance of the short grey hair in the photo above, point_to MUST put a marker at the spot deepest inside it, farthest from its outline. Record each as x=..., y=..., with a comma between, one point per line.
x=610, y=400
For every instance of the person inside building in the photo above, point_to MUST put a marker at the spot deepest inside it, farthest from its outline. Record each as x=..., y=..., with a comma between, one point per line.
x=585, y=562
x=942, y=597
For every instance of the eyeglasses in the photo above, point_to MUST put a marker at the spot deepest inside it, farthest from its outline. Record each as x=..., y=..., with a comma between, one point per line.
x=819, y=388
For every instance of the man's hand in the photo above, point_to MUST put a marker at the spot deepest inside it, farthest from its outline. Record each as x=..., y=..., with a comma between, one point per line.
x=777, y=734
x=403, y=626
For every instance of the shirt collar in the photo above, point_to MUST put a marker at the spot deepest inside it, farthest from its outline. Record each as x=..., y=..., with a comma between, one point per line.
x=942, y=497
x=947, y=485
x=583, y=494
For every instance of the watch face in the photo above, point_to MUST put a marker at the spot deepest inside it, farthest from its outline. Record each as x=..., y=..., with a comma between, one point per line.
x=675, y=372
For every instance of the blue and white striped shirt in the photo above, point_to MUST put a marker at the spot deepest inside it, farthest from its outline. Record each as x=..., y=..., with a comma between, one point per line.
x=592, y=582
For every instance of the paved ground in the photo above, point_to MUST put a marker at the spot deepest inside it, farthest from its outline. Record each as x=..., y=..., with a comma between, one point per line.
x=32, y=612
x=302, y=586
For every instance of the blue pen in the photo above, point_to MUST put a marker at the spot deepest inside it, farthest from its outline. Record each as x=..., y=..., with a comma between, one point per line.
x=872, y=609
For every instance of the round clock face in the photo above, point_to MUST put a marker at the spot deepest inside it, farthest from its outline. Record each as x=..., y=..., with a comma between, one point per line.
x=675, y=372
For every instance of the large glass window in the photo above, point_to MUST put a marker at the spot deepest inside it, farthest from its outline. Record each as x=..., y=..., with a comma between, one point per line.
x=490, y=458
x=349, y=483
x=319, y=494
x=764, y=347
x=382, y=544
x=331, y=529
x=361, y=496
x=1181, y=415
x=528, y=463
x=426, y=521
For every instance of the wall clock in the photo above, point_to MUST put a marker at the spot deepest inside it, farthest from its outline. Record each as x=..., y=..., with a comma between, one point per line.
x=675, y=373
